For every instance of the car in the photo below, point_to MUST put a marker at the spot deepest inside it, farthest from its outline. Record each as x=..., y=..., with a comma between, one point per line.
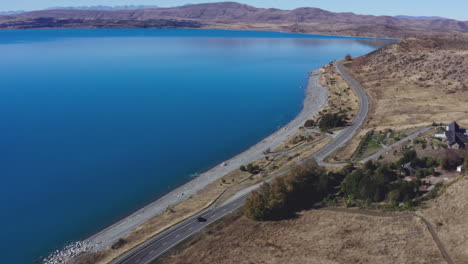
x=201, y=219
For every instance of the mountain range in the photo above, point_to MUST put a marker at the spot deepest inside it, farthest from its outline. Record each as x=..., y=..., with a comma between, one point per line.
x=421, y=17
x=231, y=15
x=102, y=7
x=11, y=12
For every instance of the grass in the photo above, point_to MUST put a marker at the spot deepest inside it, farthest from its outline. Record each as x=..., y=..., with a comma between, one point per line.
x=370, y=144
x=348, y=202
x=314, y=236
x=418, y=84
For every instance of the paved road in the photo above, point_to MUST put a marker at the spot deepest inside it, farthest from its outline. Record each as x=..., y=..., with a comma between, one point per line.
x=347, y=133
x=161, y=243
x=410, y=137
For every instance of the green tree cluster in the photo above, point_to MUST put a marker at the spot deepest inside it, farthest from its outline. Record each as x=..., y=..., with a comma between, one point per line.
x=331, y=121
x=303, y=186
x=376, y=182
x=370, y=183
x=254, y=169
x=451, y=160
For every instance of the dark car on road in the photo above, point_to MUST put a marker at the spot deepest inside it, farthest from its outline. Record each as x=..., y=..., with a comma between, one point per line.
x=201, y=219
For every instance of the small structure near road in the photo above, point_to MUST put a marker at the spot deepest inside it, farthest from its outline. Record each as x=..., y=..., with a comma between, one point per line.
x=457, y=137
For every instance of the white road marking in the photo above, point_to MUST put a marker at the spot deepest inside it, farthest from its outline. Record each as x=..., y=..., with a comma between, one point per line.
x=177, y=236
x=190, y=228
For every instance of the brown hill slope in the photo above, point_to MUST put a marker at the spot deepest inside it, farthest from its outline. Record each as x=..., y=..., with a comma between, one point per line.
x=416, y=81
x=313, y=237
x=230, y=14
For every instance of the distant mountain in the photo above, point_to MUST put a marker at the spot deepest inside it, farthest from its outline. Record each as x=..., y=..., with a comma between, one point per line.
x=421, y=17
x=5, y=13
x=101, y=7
x=230, y=15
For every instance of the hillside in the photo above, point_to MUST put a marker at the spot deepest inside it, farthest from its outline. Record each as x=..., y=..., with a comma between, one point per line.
x=416, y=81
x=315, y=236
x=240, y=16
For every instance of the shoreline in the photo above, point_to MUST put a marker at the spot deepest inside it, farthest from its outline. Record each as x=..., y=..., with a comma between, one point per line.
x=219, y=29
x=316, y=97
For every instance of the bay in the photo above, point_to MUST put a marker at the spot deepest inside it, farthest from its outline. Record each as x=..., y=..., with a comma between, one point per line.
x=95, y=123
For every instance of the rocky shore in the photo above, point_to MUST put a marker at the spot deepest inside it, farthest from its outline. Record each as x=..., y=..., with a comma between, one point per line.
x=67, y=253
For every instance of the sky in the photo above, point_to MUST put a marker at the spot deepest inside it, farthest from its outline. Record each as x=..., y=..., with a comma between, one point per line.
x=455, y=9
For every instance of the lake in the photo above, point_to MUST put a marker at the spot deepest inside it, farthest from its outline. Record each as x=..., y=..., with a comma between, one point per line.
x=96, y=123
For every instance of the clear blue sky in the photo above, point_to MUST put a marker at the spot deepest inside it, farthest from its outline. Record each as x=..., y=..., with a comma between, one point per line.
x=456, y=9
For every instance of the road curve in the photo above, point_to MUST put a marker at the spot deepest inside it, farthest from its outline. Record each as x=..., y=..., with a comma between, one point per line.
x=347, y=133
x=155, y=247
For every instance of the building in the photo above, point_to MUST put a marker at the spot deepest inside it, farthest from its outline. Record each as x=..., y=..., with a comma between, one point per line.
x=456, y=136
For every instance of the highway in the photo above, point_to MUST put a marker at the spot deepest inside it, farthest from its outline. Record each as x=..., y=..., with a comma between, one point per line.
x=155, y=247
x=161, y=243
x=347, y=133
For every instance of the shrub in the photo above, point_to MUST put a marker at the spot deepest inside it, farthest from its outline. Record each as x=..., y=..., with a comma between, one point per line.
x=450, y=160
x=330, y=121
x=121, y=242
x=304, y=185
x=369, y=183
x=394, y=196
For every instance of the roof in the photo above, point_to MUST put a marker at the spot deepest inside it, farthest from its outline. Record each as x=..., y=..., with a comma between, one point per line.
x=408, y=166
x=456, y=135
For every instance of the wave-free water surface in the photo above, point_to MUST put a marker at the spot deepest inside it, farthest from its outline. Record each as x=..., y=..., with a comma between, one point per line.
x=96, y=123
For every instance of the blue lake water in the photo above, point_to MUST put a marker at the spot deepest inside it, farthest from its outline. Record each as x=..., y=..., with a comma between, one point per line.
x=97, y=123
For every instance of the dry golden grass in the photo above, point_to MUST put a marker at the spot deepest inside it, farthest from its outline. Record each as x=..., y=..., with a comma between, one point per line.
x=415, y=82
x=411, y=84
x=341, y=95
x=313, y=237
x=449, y=215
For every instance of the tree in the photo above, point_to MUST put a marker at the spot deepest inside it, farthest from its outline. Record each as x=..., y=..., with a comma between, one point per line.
x=278, y=197
x=451, y=160
x=409, y=155
x=255, y=207
x=330, y=121
x=305, y=184
x=394, y=196
x=369, y=183
x=348, y=57
x=465, y=163
x=309, y=123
